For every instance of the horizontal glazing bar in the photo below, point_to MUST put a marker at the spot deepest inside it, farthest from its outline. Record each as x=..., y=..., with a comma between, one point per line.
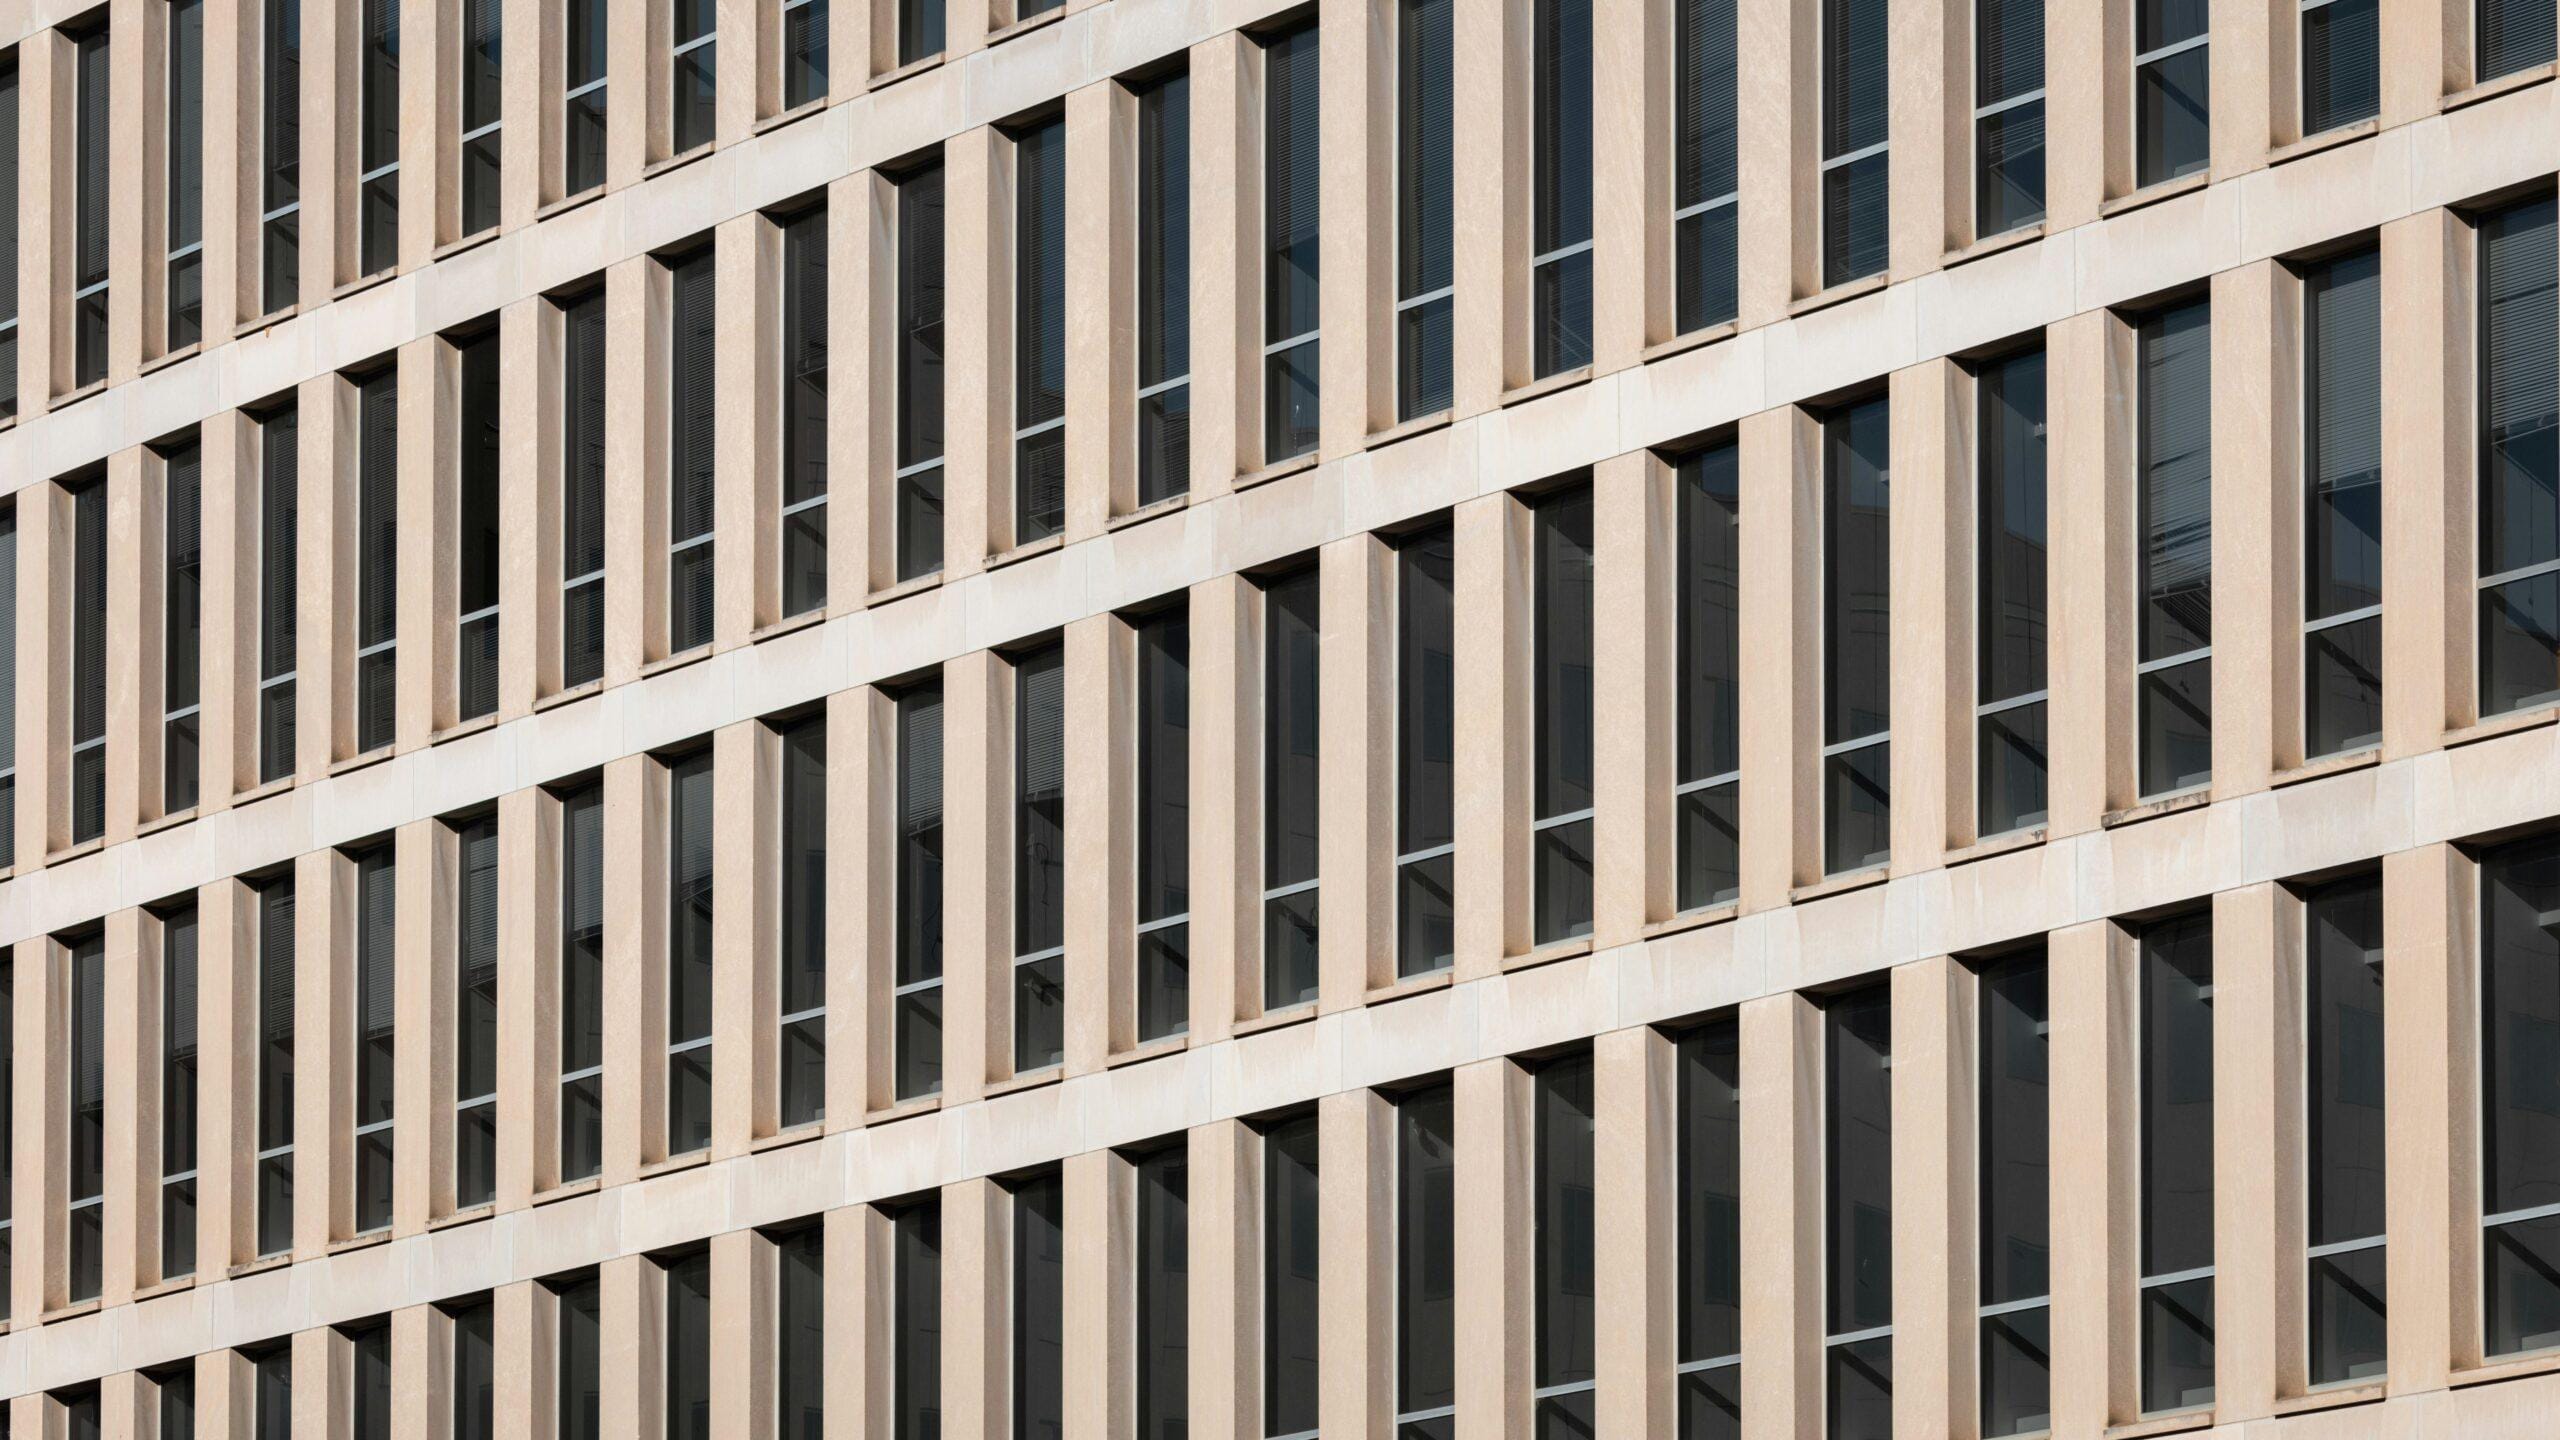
x=1855, y=156
x=1685, y=787
x=1859, y=1337
x=2177, y=1277
x=1304, y=338
x=2174, y=47
x=1730, y=197
x=1551, y=821
x=2169, y=662
x=797, y=1017
x=1984, y=112
x=1861, y=743
x=2014, y=702
x=2343, y=617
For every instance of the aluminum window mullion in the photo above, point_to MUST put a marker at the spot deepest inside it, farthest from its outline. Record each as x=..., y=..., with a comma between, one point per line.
x=1693, y=1367
x=1043, y=428
x=1282, y=892
x=367, y=177
x=1433, y=852
x=815, y=1012
x=1148, y=927
x=1985, y=112
x=916, y=987
x=687, y=1047
x=2013, y=1307
x=579, y=91
x=1161, y=386
x=1863, y=742
x=2347, y=1247
x=1854, y=156
x=475, y=1102
x=1561, y=252
x=687, y=47
x=1688, y=787
x=794, y=508
x=491, y=128
x=1303, y=337
x=1549, y=822
x=2169, y=662
x=920, y=467
x=2513, y=1217
x=2521, y=572
x=568, y=1077
x=1570, y=1387
x=2173, y=48
x=480, y=614
x=2344, y=617
x=1858, y=1337
x=1989, y=708
x=2181, y=1277
x=1443, y=293
x=1730, y=197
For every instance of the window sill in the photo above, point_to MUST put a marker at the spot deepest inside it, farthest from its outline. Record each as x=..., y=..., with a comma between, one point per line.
x=261, y=791
x=788, y=625
x=656, y=168
x=1840, y=294
x=2331, y=1398
x=471, y=1216
x=2325, y=140
x=908, y=71
x=570, y=1191
x=796, y=113
x=2540, y=1362
x=2524, y=79
x=1548, y=954
x=2497, y=725
x=905, y=1109
x=567, y=203
x=675, y=1164
x=176, y=1284
x=70, y=398
x=260, y=324
x=1269, y=473
x=2172, y=1423
x=1031, y=551
x=1003, y=33
x=362, y=283
x=1169, y=505
x=472, y=241
x=2327, y=765
x=1842, y=883
x=169, y=821
x=800, y=1134
x=2000, y=844
x=1540, y=389
x=163, y=362
x=1437, y=420
x=1041, y=1078
x=1694, y=340
x=259, y=1266
x=905, y=588
x=1412, y=985
x=83, y=850
x=71, y=1312
x=1698, y=919
x=2154, y=193
x=1155, y=1049
x=1993, y=244
x=571, y=696
x=365, y=761
x=677, y=661
x=464, y=729
x=366, y=1241
x=1281, y=1019
x=2194, y=797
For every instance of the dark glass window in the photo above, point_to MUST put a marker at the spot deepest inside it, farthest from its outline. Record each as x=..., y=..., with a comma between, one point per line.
x=369, y=1346
x=377, y=558
x=804, y=402
x=804, y=52
x=916, y=1038
x=1857, y=637
x=582, y=444
x=2519, y=459
x=2341, y=76
x=184, y=218
x=915, y=1336
x=174, y=1392
x=1707, y=1294
x=1164, y=288
x=1857, y=1213
x=2009, y=595
x=9, y=233
x=2173, y=680
x=2343, y=1053
x=273, y=1392
x=2172, y=129
x=583, y=97
x=690, y=804
x=804, y=921
x=1426, y=1267
x=92, y=187
x=1040, y=859
x=1560, y=194
x=1164, y=824
x=1292, y=192
x=1561, y=704
x=178, y=1089
x=1039, y=1308
x=1426, y=736
x=1164, y=1293
x=688, y=1342
x=581, y=982
x=692, y=440
x=577, y=1359
x=280, y=193
x=378, y=137
x=275, y=1068
x=2514, y=35
x=279, y=586
x=1564, y=1197
x=1291, y=1317
x=1855, y=235
x=2520, y=1097
x=8, y=1113
x=2176, y=1199
x=182, y=627
x=483, y=80
x=2014, y=1133
x=87, y=1181
x=1426, y=107
x=1707, y=805
x=800, y=1340
x=475, y=1369
x=919, y=451
x=693, y=53
x=2342, y=532
x=1040, y=331
x=920, y=31
x=377, y=932
x=1706, y=169
x=475, y=1063
x=2008, y=114
x=89, y=660
x=1292, y=687
x=476, y=602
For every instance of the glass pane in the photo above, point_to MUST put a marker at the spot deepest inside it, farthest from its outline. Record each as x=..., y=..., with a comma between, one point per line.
x=2009, y=187
x=1423, y=379
x=2172, y=130
x=688, y=1347
x=1291, y=1317
x=474, y=1373
x=1040, y=763
x=1856, y=573
x=1289, y=950
x=1858, y=1162
x=2011, y=769
x=1164, y=767
x=2009, y=597
x=2176, y=723
x=1426, y=709
x=1426, y=915
x=1571, y=1416
x=1858, y=1385
x=919, y=856
x=1560, y=314
x=2520, y=1087
x=1857, y=808
x=1164, y=1295
x=1164, y=236
x=1710, y=828
x=577, y=1360
x=1711, y=1404
x=1708, y=1292
x=2016, y=1253
x=1563, y=881
x=1289, y=400
x=804, y=54
x=2177, y=1346
x=800, y=1349
x=2342, y=688
x=2176, y=498
x=695, y=96
x=1562, y=699
x=920, y=302
x=1563, y=1187
x=1039, y=1310
x=2514, y=35
x=2341, y=80
x=1425, y=1252
x=2347, y=1339
x=1164, y=982
x=919, y=1042
x=1164, y=445
x=1854, y=232
x=2017, y=1372
x=1705, y=268
x=2520, y=644
x=1039, y=1013
x=2523, y=1286
x=2342, y=433
x=2177, y=1095
x=1854, y=50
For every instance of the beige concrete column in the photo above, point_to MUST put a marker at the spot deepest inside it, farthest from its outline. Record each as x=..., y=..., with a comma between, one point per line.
x=977, y=497
x=325, y=563
x=1781, y=1039
x=855, y=1321
x=1226, y=262
x=1225, y=1218
x=1098, y=1355
x=1102, y=356
x=129, y=583
x=862, y=304
x=1491, y=685
x=1356, y=256
x=1777, y=150
x=748, y=37
x=422, y=1019
x=323, y=1388
x=1491, y=52
x=429, y=568
x=630, y=1334
x=226, y=990
x=421, y=1376
x=121, y=1036
x=746, y=935
x=1929, y=180
x=522, y=1403
x=529, y=520
x=1355, y=836
x=2431, y=1074
x=532, y=73
x=128, y=188
x=861, y=791
x=747, y=499
x=2252, y=80
x=2255, y=502
x=47, y=148
x=1636, y=1230
x=324, y=1078
x=743, y=1317
x=2257, y=1150
x=2087, y=108
x=225, y=1395
x=1935, y=1391
x=125, y=1408
x=2431, y=56
x=631, y=449
x=328, y=156
x=2089, y=586
x=2429, y=564
x=977, y=935
x=43, y=660
x=976, y=1312
x=1226, y=806
x=1926, y=432
x=1101, y=821
x=1493, y=1202
x=39, y=1263
x=430, y=43
x=1632, y=293
x=1633, y=708
x=627, y=56
x=1355, y=1285
x=141, y=1038
x=2095, y=1133
x=1779, y=600
x=529, y=844
x=634, y=1080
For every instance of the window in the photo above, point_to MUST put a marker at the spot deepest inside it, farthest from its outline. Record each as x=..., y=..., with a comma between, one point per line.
x=1705, y=161
x=9, y=234
x=804, y=52
x=581, y=994
x=1039, y=864
x=804, y=921
x=474, y=1373
x=2176, y=1194
x=275, y=1067
x=577, y=1357
x=2009, y=595
x=917, y=1039
x=915, y=1336
x=91, y=187
x=687, y=1352
x=1040, y=331
x=1164, y=1293
x=2519, y=1119
x=476, y=660
x=920, y=27
x=1039, y=1308
x=1164, y=824
x=279, y=585
x=273, y=1385
x=1292, y=730
x=694, y=58
x=369, y=1347
x=9, y=686
x=174, y=1402
x=1426, y=282
x=2172, y=131
x=1708, y=799
x=1857, y=1213
x=1561, y=729
x=1857, y=638
x=280, y=216
x=692, y=464
x=1291, y=1317
x=804, y=407
x=181, y=627
x=1292, y=184
x=583, y=97
x=377, y=559
x=1560, y=208
x=2343, y=1053
x=2342, y=555
x=184, y=298
x=1855, y=235
x=8, y=1121
x=87, y=1186
x=2514, y=35
x=1708, y=1071
x=378, y=138
x=178, y=1087
x=483, y=81
x=2519, y=460
x=800, y=1323
x=1425, y=1267
x=2008, y=114
x=88, y=660
x=1564, y=1199
x=2174, y=679
x=377, y=991
x=475, y=1001
x=582, y=489
x=1426, y=725
x=2341, y=79
x=920, y=261
x=80, y=1415
x=690, y=804
x=2014, y=1140
x=1164, y=288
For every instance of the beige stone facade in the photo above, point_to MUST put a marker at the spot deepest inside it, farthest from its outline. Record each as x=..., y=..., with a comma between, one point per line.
x=2443, y=793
